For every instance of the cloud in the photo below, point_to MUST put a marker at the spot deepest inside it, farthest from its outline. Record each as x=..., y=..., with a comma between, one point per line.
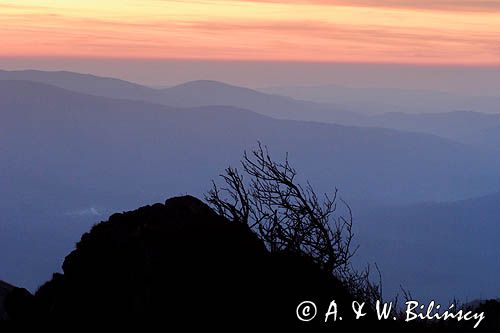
x=11, y=6
x=447, y=5
x=91, y=211
x=258, y=32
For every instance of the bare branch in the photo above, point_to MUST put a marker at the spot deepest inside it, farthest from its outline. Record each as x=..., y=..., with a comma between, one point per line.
x=288, y=217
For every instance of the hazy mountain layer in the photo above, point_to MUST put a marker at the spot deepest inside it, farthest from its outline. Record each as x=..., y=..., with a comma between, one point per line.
x=409, y=110
x=190, y=94
x=376, y=100
x=68, y=159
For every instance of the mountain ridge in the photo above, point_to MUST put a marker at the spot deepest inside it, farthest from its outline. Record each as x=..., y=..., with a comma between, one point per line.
x=68, y=105
x=188, y=94
x=470, y=127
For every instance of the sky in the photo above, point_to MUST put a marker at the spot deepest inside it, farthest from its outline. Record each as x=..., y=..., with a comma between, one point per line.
x=424, y=32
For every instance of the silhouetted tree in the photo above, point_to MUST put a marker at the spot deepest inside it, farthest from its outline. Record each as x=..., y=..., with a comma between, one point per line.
x=290, y=217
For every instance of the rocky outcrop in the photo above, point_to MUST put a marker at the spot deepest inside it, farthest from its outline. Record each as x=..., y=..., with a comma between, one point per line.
x=178, y=262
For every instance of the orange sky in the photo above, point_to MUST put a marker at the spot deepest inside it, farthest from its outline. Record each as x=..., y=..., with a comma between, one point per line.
x=388, y=31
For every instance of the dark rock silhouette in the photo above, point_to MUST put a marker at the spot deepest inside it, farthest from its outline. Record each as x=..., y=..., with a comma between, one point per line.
x=20, y=305
x=179, y=262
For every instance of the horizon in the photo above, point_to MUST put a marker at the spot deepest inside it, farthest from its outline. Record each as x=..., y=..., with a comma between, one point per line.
x=471, y=80
x=435, y=45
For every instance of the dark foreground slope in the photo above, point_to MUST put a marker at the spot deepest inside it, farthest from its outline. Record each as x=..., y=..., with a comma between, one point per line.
x=5, y=289
x=178, y=262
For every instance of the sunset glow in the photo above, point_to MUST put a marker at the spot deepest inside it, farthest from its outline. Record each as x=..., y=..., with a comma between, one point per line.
x=385, y=31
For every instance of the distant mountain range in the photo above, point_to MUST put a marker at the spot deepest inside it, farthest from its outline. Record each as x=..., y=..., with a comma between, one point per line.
x=424, y=111
x=190, y=94
x=64, y=151
x=68, y=132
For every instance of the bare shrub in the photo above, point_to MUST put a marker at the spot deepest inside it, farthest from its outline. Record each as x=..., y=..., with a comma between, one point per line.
x=290, y=217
